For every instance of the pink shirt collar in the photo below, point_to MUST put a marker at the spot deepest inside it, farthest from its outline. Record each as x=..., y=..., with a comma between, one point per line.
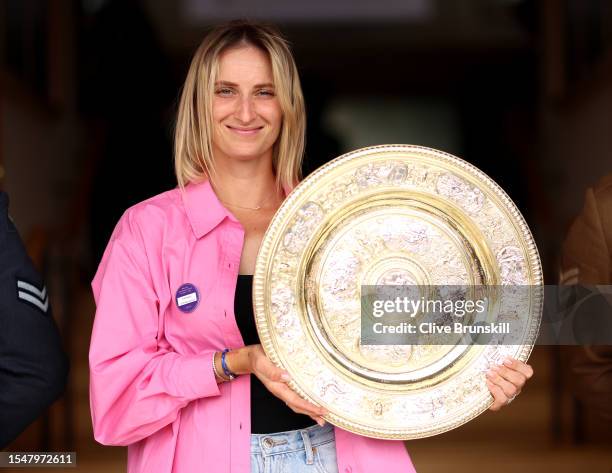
x=203, y=208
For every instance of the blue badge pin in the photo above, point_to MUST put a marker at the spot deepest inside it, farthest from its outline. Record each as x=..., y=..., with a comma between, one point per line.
x=187, y=298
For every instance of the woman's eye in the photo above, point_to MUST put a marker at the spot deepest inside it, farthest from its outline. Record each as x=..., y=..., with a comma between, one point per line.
x=266, y=93
x=224, y=91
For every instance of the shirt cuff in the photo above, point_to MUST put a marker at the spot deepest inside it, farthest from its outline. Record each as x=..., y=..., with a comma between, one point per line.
x=196, y=378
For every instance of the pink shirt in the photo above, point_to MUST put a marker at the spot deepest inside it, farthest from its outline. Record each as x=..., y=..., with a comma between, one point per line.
x=152, y=386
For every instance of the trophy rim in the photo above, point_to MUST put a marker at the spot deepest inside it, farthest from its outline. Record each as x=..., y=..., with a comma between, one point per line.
x=283, y=214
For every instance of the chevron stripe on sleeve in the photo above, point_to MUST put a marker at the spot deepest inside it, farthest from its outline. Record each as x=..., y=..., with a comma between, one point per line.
x=30, y=294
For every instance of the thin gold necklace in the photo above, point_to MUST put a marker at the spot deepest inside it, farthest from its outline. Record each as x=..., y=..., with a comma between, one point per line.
x=259, y=207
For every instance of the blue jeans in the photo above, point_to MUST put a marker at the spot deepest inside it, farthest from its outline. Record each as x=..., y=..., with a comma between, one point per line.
x=311, y=450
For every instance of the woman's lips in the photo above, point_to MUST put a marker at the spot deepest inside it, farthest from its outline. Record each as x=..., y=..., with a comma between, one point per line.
x=245, y=131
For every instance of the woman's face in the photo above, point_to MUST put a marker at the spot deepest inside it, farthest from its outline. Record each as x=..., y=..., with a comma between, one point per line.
x=247, y=117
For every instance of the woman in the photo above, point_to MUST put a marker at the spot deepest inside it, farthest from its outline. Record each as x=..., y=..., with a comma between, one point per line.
x=172, y=289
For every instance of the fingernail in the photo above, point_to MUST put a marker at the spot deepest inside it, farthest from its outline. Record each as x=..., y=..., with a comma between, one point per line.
x=321, y=422
x=489, y=374
x=495, y=368
x=508, y=362
x=286, y=377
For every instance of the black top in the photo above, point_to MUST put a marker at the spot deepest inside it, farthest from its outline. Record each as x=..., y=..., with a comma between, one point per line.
x=268, y=413
x=33, y=367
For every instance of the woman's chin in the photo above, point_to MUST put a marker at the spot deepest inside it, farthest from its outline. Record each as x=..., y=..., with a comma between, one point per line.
x=249, y=154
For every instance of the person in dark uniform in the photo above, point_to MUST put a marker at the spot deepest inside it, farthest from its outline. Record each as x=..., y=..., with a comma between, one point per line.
x=33, y=366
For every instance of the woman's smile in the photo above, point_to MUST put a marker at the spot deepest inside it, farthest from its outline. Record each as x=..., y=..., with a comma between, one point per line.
x=244, y=131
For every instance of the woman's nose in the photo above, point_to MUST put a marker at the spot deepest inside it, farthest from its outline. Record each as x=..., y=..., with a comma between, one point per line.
x=245, y=111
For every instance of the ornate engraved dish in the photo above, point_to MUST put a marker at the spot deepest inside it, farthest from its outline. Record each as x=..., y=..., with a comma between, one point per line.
x=393, y=214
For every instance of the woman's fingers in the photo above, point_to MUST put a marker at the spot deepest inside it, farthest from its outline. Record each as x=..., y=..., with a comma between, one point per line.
x=507, y=387
x=512, y=376
x=506, y=381
x=318, y=420
x=499, y=397
x=296, y=402
x=523, y=368
x=264, y=368
x=275, y=374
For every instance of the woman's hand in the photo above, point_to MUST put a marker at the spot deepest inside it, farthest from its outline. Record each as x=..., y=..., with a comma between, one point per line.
x=506, y=381
x=275, y=380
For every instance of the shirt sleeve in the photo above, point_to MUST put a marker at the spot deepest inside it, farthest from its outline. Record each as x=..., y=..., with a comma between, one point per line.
x=33, y=367
x=137, y=385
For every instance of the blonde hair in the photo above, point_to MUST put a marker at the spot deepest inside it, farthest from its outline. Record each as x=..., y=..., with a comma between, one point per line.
x=193, y=158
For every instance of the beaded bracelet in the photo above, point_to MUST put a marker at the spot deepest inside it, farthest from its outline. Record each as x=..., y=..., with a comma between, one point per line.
x=226, y=370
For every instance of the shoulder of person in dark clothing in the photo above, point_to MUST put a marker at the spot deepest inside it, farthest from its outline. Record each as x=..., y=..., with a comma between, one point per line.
x=587, y=260
x=33, y=366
